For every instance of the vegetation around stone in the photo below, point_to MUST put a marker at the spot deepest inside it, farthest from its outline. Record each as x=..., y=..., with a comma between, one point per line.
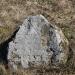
x=59, y=12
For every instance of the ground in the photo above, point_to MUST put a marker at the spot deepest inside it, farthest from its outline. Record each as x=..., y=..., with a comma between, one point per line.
x=58, y=12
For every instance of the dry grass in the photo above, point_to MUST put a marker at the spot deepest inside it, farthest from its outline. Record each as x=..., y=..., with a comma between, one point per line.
x=59, y=12
x=35, y=71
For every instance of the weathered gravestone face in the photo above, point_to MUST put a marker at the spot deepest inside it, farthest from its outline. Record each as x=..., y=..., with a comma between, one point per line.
x=37, y=43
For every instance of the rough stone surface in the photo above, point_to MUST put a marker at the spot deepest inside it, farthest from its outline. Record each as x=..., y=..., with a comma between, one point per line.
x=37, y=43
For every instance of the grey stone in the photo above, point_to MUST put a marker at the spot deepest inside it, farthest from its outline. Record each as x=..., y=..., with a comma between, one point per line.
x=37, y=43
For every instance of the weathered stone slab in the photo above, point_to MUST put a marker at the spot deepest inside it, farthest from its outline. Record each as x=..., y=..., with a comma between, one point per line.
x=37, y=43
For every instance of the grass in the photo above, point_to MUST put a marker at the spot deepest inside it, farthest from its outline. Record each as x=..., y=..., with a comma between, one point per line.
x=59, y=12
x=35, y=71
